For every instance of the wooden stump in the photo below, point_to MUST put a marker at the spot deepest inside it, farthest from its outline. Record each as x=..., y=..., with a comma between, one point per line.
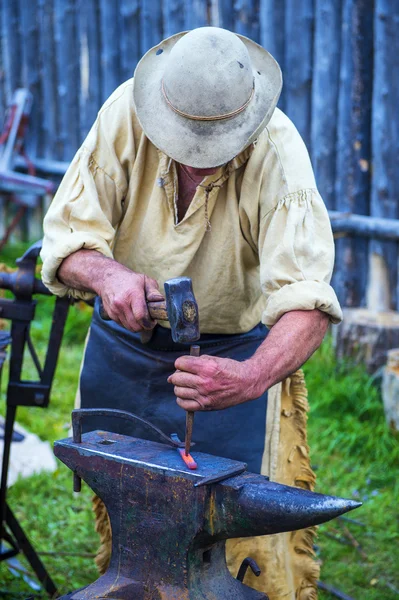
x=390, y=389
x=365, y=336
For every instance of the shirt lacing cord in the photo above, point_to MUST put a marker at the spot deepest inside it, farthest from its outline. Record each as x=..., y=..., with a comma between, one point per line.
x=208, y=188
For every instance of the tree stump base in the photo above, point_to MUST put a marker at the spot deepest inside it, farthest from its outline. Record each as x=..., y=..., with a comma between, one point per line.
x=366, y=336
x=390, y=389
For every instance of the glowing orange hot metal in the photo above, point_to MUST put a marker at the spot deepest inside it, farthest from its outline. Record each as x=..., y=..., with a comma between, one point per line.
x=187, y=458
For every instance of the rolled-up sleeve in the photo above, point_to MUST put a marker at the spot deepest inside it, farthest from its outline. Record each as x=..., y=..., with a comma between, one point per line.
x=84, y=213
x=296, y=249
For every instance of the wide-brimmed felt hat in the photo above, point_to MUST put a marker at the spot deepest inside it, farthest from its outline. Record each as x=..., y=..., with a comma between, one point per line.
x=203, y=96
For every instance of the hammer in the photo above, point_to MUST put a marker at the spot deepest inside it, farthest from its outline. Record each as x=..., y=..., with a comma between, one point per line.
x=181, y=310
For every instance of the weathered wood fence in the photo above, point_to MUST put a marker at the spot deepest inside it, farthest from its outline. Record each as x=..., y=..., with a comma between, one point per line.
x=340, y=62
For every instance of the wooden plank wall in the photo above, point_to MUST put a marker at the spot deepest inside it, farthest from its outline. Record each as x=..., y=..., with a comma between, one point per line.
x=340, y=64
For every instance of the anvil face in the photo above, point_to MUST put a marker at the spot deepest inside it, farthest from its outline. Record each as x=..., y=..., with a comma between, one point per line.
x=167, y=534
x=137, y=453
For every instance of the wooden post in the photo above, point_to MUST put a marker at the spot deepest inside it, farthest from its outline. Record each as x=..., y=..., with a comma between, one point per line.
x=31, y=80
x=150, y=24
x=326, y=54
x=196, y=14
x=30, y=69
x=68, y=76
x=226, y=14
x=49, y=122
x=272, y=35
x=246, y=19
x=110, y=73
x=2, y=94
x=173, y=17
x=11, y=46
x=298, y=64
x=390, y=389
x=385, y=152
x=214, y=13
x=3, y=104
x=353, y=145
x=129, y=37
x=90, y=65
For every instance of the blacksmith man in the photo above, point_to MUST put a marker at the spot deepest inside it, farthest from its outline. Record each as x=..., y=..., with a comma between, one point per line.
x=190, y=169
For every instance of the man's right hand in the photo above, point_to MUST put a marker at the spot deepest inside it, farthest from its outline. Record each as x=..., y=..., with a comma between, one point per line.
x=125, y=295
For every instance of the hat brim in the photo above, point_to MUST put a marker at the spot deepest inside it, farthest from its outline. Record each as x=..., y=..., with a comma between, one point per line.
x=203, y=144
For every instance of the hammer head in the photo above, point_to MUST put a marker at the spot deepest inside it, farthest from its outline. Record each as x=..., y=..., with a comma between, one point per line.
x=182, y=310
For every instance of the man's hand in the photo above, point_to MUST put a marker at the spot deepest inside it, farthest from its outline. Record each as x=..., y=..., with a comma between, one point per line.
x=125, y=295
x=212, y=383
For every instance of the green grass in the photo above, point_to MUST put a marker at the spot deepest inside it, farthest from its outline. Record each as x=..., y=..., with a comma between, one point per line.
x=353, y=452
x=355, y=456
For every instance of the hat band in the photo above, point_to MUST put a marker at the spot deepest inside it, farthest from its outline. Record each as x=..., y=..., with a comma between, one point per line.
x=211, y=118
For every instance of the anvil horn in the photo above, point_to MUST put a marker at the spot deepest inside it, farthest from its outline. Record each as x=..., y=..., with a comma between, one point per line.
x=262, y=507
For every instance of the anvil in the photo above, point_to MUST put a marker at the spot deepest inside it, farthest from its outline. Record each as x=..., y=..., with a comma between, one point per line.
x=168, y=535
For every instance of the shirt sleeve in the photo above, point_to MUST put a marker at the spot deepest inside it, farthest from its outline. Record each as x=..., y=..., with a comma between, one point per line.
x=296, y=249
x=85, y=211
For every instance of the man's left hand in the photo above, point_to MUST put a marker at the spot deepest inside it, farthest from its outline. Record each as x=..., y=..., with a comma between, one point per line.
x=213, y=383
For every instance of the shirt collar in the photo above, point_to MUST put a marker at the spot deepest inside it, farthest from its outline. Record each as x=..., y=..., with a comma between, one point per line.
x=166, y=164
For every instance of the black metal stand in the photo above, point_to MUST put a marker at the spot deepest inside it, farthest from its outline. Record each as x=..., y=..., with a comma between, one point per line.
x=21, y=311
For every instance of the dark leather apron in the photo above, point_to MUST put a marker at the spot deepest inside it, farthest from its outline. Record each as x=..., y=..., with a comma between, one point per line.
x=121, y=372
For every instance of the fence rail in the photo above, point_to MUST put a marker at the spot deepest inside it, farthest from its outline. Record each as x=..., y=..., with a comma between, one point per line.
x=340, y=62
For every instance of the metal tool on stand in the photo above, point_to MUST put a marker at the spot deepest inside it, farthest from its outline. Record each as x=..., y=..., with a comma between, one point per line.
x=21, y=311
x=168, y=530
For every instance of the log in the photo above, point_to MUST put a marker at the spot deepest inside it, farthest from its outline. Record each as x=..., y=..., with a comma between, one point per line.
x=385, y=141
x=226, y=14
x=214, y=13
x=364, y=226
x=353, y=145
x=29, y=226
x=30, y=71
x=173, y=17
x=298, y=64
x=129, y=37
x=272, y=34
x=196, y=13
x=325, y=86
x=68, y=77
x=390, y=389
x=48, y=82
x=110, y=72
x=246, y=21
x=2, y=111
x=90, y=50
x=366, y=337
x=11, y=42
x=45, y=165
x=150, y=24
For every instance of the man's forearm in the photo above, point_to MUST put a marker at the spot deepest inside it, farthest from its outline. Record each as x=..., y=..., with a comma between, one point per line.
x=290, y=342
x=124, y=293
x=86, y=270
x=215, y=383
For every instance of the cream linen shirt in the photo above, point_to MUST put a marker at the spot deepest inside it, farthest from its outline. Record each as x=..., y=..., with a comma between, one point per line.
x=270, y=249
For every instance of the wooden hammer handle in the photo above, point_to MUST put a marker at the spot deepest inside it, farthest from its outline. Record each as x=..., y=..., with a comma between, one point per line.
x=156, y=309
